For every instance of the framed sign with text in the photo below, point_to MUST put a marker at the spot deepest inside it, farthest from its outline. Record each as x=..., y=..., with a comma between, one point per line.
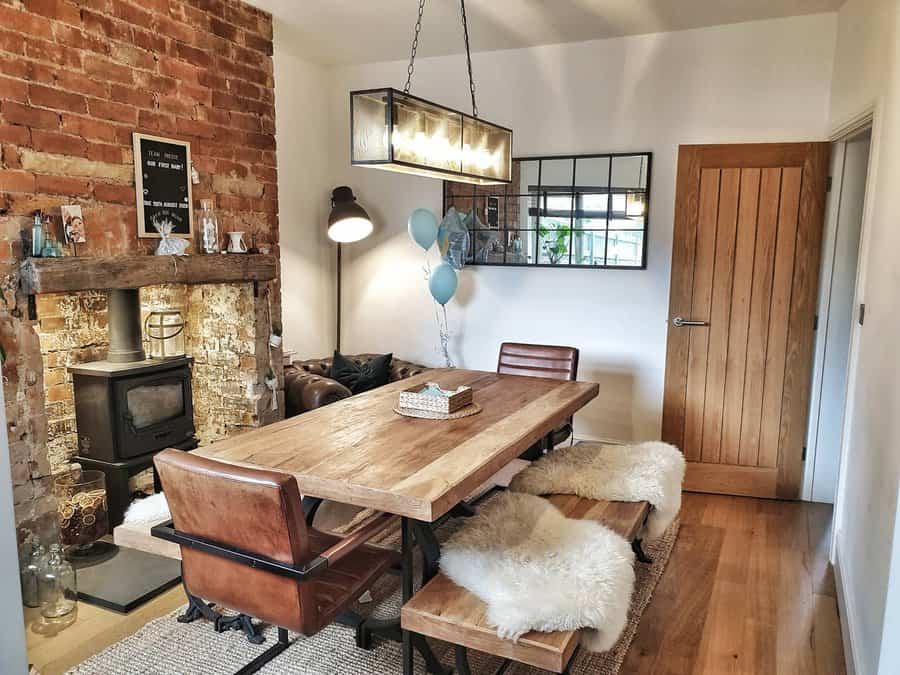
x=162, y=179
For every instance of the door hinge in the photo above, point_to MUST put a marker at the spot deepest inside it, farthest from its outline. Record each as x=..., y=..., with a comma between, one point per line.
x=803, y=456
x=816, y=322
x=862, y=313
x=828, y=183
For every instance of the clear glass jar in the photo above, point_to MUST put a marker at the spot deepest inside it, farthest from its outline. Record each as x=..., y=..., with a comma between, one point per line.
x=165, y=328
x=81, y=507
x=209, y=227
x=58, y=589
x=30, y=575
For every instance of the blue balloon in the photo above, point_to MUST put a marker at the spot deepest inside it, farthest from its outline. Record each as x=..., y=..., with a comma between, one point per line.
x=442, y=283
x=423, y=228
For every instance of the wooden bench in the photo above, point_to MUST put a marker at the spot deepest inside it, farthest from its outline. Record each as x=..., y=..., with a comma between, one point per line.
x=445, y=611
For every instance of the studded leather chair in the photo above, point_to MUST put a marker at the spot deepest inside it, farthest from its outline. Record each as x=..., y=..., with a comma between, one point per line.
x=245, y=546
x=560, y=363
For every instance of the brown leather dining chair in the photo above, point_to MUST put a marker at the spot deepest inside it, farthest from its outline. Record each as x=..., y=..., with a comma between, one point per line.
x=245, y=546
x=559, y=363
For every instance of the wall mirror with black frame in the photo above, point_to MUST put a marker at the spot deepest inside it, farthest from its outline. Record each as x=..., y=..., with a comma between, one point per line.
x=582, y=211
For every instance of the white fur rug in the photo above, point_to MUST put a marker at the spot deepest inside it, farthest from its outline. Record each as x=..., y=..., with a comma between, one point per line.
x=150, y=509
x=538, y=570
x=651, y=472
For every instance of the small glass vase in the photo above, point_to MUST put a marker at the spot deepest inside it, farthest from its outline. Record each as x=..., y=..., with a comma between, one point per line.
x=31, y=574
x=209, y=227
x=58, y=589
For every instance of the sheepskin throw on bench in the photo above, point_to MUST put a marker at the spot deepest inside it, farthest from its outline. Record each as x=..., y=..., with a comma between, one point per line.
x=538, y=570
x=651, y=472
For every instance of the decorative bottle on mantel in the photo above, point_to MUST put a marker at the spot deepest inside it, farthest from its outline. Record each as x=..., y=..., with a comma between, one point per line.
x=37, y=236
x=209, y=226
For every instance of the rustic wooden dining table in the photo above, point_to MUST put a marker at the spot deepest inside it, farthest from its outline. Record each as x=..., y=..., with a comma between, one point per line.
x=359, y=451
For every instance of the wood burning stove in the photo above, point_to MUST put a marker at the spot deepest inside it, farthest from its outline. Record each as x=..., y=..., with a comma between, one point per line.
x=128, y=407
x=126, y=410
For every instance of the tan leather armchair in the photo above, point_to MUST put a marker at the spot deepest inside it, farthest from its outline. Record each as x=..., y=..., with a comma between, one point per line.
x=245, y=545
x=307, y=384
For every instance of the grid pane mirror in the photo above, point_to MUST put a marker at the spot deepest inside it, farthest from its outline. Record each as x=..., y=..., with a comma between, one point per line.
x=588, y=211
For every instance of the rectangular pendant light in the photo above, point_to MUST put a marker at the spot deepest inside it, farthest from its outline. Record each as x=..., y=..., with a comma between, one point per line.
x=396, y=131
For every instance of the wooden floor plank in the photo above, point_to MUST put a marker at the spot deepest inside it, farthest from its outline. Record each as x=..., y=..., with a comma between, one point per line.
x=671, y=629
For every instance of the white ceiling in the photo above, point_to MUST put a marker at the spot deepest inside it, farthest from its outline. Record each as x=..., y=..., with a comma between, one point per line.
x=362, y=31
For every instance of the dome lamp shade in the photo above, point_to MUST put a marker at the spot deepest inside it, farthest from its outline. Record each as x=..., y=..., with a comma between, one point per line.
x=348, y=221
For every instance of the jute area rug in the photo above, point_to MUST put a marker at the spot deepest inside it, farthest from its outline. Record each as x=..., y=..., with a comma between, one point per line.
x=166, y=647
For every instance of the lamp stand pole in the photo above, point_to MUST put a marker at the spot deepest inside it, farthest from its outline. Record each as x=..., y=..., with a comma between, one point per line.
x=338, y=327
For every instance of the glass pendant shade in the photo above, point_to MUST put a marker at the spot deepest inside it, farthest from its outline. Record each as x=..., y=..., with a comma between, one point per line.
x=395, y=131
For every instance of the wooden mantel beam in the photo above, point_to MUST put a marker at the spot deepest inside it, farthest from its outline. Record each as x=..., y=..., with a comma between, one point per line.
x=62, y=275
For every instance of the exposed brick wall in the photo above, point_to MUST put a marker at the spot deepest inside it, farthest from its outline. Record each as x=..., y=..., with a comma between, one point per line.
x=77, y=78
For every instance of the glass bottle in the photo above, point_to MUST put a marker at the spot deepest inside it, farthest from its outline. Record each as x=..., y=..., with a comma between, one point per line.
x=209, y=227
x=37, y=236
x=31, y=574
x=58, y=591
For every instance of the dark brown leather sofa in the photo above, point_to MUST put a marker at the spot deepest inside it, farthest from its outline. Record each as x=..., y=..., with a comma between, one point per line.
x=307, y=385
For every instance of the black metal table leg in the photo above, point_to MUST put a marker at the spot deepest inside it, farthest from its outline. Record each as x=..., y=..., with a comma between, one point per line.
x=430, y=547
x=462, y=660
x=406, y=589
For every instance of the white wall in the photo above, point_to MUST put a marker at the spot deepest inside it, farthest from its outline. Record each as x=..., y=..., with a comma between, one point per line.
x=867, y=71
x=304, y=156
x=762, y=81
x=13, y=658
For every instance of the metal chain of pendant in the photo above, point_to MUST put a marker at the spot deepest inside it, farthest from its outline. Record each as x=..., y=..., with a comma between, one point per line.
x=415, y=47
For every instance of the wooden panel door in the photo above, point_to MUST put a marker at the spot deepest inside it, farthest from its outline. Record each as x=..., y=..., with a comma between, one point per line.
x=745, y=266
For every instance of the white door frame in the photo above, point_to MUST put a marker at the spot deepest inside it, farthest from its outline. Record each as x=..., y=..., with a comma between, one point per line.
x=871, y=115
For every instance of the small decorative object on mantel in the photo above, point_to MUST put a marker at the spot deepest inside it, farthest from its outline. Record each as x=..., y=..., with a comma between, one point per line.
x=209, y=227
x=168, y=245
x=52, y=248
x=236, y=242
x=162, y=180
x=432, y=398
x=275, y=337
x=37, y=235
x=73, y=224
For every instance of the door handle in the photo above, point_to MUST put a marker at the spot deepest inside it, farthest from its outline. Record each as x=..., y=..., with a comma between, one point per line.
x=678, y=322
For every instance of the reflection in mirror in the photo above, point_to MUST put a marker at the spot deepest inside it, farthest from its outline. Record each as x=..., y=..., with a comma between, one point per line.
x=629, y=171
x=528, y=174
x=556, y=173
x=592, y=174
x=587, y=211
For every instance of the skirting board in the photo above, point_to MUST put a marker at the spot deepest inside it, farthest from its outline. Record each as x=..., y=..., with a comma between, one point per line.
x=849, y=619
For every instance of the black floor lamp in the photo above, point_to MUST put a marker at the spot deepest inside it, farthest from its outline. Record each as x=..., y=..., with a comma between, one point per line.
x=347, y=223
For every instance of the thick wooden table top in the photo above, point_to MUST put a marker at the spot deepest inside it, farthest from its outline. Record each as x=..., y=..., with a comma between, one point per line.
x=359, y=451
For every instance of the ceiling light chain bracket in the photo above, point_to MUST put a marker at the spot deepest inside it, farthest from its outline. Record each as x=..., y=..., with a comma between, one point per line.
x=396, y=131
x=415, y=46
x=465, y=23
